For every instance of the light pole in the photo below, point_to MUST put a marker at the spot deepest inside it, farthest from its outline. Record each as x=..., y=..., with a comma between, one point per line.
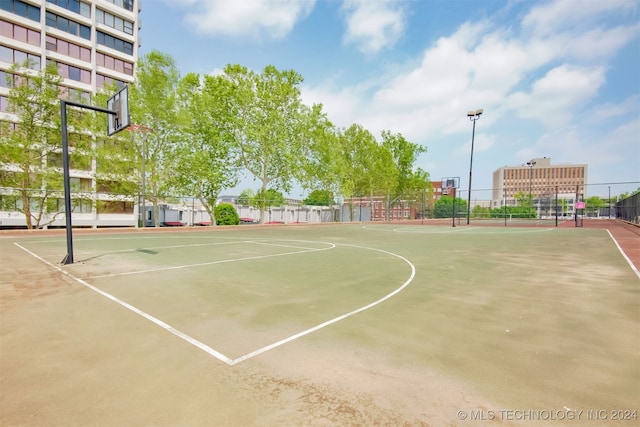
x=473, y=116
x=531, y=164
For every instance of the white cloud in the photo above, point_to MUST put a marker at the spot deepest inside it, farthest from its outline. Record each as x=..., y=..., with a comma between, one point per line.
x=608, y=110
x=481, y=66
x=548, y=78
x=374, y=25
x=273, y=19
x=598, y=43
x=552, y=17
x=560, y=94
x=482, y=142
x=604, y=153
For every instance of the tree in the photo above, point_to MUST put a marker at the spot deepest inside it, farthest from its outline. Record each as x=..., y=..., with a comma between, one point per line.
x=443, y=208
x=514, y=212
x=263, y=200
x=403, y=179
x=246, y=197
x=593, y=204
x=319, y=198
x=320, y=168
x=30, y=158
x=563, y=207
x=524, y=200
x=355, y=162
x=268, y=123
x=480, y=212
x=204, y=157
x=225, y=214
x=153, y=103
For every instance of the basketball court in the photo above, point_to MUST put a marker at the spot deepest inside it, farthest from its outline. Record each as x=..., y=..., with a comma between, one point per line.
x=346, y=324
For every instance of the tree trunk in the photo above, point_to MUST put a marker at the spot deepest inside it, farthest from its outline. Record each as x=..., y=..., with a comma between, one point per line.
x=26, y=209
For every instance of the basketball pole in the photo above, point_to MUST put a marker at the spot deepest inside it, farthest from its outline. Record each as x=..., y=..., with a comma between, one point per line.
x=453, y=213
x=68, y=259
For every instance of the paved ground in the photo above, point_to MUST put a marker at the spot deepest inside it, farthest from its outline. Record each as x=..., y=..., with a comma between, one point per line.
x=69, y=357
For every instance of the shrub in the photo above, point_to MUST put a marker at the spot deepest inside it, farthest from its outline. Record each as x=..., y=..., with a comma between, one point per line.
x=226, y=214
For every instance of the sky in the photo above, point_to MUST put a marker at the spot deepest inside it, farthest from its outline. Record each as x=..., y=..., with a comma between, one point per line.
x=557, y=79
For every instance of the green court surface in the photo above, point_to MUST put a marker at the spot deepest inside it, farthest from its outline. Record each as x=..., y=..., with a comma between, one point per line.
x=522, y=318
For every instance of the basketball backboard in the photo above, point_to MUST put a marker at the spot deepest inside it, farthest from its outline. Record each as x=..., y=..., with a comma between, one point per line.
x=120, y=104
x=450, y=182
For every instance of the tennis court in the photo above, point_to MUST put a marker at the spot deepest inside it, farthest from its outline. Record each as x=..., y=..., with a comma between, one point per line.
x=346, y=324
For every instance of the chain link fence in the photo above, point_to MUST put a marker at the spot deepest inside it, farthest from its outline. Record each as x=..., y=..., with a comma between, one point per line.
x=541, y=203
x=629, y=209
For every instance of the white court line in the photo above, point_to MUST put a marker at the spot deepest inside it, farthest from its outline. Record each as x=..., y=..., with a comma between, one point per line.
x=58, y=239
x=633, y=267
x=214, y=352
x=119, y=251
x=431, y=229
x=178, y=267
x=281, y=246
x=339, y=318
x=147, y=316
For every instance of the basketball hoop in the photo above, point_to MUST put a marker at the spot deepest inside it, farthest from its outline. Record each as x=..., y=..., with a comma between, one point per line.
x=119, y=103
x=449, y=185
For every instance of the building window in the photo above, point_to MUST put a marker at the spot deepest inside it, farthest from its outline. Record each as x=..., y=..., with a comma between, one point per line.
x=113, y=21
x=70, y=49
x=21, y=8
x=19, y=33
x=68, y=26
x=76, y=6
x=73, y=94
x=115, y=43
x=14, y=56
x=125, y=4
x=4, y=104
x=114, y=63
x=4, y=81
x=71, y=72
x=102, y=81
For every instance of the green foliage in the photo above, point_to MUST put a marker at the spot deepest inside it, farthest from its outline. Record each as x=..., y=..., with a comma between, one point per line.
x=514, y=212
x=319, y=198
x=205, y=160
x=27, y=148
x=480, y=212
x=594, y=203
x=319, y=168
x=443, y=208
x=403, y=179
x=265, y=199
x=355, y=160
x=524, y=200
x=268, y=123
x=246, y=197
x=226, y=214
x=154, y=104
x=195, y=133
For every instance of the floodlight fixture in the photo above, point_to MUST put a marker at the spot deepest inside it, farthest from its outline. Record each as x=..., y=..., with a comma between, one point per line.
x=473, y=116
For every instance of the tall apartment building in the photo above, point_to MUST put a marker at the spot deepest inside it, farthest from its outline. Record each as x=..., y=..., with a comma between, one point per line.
x=542, y=180
x=92, y=43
